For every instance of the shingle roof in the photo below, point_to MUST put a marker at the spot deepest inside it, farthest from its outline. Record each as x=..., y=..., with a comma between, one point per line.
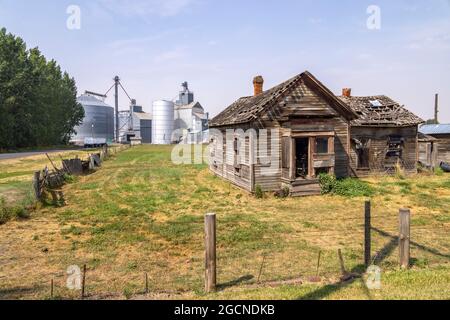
x=247, y=109
x=435, y=129
x=380, y=111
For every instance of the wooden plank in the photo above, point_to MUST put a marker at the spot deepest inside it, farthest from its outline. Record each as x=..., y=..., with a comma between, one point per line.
x=311, y=151
x=313, y=134
x=404, y=238
x=286, y=156
x=210, y=253
x=37, y=185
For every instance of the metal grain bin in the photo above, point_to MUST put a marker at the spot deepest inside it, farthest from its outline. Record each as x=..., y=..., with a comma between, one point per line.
x=98, y=121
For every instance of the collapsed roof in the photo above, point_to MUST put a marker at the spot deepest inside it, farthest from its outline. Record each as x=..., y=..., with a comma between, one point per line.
x=380, y=111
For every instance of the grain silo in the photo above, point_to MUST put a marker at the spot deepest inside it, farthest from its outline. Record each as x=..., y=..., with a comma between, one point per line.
x=98, y=122
x=163, y=122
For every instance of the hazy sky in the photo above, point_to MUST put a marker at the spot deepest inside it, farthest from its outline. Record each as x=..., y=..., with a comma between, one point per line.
x=218, y=46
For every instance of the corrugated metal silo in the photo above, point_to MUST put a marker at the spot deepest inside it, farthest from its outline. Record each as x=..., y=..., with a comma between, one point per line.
x=163, y=122
x=98, y=121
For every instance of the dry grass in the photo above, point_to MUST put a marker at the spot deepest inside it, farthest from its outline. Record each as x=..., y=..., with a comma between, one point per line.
x=140, y=213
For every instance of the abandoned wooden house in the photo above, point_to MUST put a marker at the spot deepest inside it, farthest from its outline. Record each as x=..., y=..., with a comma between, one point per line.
x=310, y=131
x=441, y=144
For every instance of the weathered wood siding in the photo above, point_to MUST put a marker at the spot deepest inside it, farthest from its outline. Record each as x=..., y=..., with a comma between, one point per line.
x=378, y=147
x=309, y=112
x=223, y=162
x=443, y=148
x=268, y=166
x=428, y=152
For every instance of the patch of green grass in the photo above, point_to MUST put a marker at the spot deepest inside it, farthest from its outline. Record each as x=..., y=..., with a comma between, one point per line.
x=432, y=201
x=443, y=218
x=438, y=171
x=420, y=221
x=180, y=230
x=203, y=190
x=310, y=225
x=405, y=187
x=89, y=186
x=4, y=175
x=76, y=231
x=354, y=188
x=8, y=212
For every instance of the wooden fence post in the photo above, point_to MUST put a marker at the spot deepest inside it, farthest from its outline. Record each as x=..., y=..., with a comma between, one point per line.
x=146, y=283
x=404, y=238
x=367, y=234
x=91, y=163
x=37, y=185
x=210, y=253
x=83, y=283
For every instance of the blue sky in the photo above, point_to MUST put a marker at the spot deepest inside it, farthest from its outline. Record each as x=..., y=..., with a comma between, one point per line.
x=218, y=46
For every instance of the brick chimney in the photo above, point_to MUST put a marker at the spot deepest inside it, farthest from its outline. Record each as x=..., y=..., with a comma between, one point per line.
x=258, y=83
x=347, y=92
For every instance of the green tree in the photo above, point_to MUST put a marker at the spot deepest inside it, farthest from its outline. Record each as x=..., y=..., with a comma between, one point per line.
x=38, y=105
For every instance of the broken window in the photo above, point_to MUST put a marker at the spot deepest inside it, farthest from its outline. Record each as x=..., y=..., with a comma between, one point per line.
x=322, y=145
x=394, y=152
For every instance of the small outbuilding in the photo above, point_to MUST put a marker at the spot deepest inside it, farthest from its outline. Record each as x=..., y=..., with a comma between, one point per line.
x=440, y=132
x=428, y=151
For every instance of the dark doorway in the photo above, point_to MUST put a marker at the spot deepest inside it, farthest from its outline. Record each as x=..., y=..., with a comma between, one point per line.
x=302, y=157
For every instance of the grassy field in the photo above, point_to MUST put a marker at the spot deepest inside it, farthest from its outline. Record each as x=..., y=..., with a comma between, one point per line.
x=142, y=214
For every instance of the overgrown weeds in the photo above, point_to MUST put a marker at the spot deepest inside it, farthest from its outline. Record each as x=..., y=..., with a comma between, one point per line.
x=259, y=193
x=8, y=212
x=348, y=187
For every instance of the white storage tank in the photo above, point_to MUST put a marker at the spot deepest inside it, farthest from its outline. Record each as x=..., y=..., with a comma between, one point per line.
x=163, y=121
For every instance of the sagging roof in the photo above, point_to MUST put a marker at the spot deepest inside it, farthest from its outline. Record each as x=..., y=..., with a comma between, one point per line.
x=435, y=129
x=426, y=138
x=247, y=109
x=380, y=111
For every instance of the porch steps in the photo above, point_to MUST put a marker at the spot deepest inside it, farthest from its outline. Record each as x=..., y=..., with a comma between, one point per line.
x=306, y=189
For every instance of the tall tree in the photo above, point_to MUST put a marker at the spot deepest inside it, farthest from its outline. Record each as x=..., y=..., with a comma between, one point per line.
x=38, y=103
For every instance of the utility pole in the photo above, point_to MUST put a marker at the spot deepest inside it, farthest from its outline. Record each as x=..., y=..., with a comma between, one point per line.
x=117, y=81
x=436, y=109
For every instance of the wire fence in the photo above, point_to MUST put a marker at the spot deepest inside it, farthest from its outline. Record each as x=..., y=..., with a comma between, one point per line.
x=248, y=256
